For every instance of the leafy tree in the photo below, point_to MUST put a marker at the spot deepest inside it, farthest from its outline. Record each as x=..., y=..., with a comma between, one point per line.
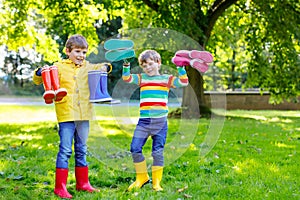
x=197, y=23
x=46, y=23
x=274, y=48
x=43, y=26
x=20, y=26
x=261, y=38
x=251, y=33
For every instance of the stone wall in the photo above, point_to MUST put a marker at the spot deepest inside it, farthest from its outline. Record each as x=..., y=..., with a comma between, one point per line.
x=246, y=101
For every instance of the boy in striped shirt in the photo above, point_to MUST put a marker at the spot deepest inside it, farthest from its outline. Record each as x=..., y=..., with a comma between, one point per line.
x=154, y=90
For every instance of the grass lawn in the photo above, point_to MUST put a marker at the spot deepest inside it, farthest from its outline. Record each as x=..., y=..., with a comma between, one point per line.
x=245, y=155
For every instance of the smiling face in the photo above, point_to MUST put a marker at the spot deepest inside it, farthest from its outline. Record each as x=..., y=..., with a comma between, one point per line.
x=151, y=67
x=76, y=48
x=150, y=61
x=77, y=55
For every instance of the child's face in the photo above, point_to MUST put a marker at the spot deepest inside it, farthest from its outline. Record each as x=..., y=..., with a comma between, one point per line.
x=77, y=55
x=151, y=67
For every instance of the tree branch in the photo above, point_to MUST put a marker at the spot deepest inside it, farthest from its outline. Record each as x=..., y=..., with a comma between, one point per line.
x=215, y=12
x=153, y=6
x=216, y=4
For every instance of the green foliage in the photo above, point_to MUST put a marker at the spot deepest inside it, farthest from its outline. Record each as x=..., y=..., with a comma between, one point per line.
x=279, y=49
x=45, y=25
x=174, y=15
x=21, y=27
x=78, y=16
x=228, y=45
x=263, y=35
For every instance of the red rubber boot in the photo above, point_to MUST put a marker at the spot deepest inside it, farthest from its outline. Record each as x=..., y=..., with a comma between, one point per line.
x=60, y=93
x=82, y=180
x=49, y=94
x=61, y=177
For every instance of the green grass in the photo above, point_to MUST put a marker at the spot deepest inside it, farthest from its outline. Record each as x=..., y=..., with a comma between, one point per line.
x=256, y=156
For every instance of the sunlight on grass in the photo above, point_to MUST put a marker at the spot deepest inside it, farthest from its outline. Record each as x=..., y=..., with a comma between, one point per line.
x=31, y=113
x=111, y=132
x=264, y=172
x=236, y=168
x=282, y=145
x=257, y=117
x=276, y=119
x=36, y=146
x=29, y=127
x=26, y=113
x=21, y=136
x=264, y=118
x=192, y=147
x=274, y=169
x=246, y=166
x=263, y=113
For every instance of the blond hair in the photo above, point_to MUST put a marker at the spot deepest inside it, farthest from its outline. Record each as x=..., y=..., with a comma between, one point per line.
x=152, y=54
x=76, y=41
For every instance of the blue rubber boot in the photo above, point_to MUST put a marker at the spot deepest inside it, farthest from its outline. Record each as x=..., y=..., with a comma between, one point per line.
x=103, y=86
x=98, y=86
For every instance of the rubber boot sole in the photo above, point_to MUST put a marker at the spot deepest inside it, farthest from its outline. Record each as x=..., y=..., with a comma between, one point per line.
x=199, y=65
x=117, y=55
x=118, y=44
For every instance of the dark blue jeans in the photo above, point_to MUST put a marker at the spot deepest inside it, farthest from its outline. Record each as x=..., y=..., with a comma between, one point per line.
x=157, y=128
x=77, y=130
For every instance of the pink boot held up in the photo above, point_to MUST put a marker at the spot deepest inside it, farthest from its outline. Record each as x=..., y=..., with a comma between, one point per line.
x=183, y=53
x=199, y=65
x=202, y=55
x=181, y=61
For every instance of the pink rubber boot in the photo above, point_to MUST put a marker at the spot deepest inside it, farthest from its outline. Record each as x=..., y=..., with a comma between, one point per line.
x=181, y=61
x=202, y=55
x=199, y=65
x=195, y=54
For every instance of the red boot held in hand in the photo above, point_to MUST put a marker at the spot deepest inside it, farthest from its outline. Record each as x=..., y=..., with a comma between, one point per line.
x=60, y=93
x=82, y=180
x=49, y=94
x=61, y=177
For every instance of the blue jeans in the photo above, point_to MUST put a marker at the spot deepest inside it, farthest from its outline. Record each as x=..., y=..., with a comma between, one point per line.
x=77, y=130
x=157, y=128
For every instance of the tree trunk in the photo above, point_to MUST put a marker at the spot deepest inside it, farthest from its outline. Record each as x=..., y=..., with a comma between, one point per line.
x=193, y=102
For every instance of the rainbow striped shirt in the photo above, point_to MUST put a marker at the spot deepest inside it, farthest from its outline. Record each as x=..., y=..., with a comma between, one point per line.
x=154, y=90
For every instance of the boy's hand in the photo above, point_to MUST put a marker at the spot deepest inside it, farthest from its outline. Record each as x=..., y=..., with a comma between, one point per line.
x=126, y=64
x=106, y=67
x=39, y=70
